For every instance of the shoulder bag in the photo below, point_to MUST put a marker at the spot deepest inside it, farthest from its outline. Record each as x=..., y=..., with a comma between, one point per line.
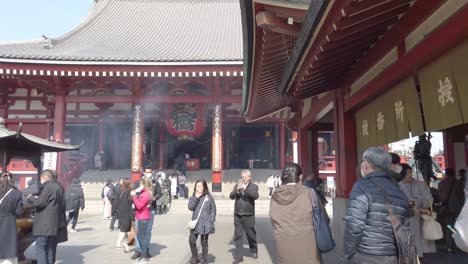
x=404, y=238
x=5, y=195
x=193, y=223
x=322, y=231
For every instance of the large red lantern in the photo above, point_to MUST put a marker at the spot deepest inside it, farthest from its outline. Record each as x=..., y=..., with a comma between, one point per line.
x=185, y=120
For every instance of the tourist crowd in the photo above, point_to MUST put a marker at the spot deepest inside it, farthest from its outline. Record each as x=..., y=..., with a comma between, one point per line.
x=386, y=221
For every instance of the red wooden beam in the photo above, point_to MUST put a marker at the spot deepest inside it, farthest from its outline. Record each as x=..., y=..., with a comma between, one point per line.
x=297, y=14
x=397, y=34
x=318, y=110
x=383, y=12
x=153, y=99
x=447, y=36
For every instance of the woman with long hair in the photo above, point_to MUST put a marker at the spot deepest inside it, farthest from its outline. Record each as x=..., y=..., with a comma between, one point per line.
x=11, y=206
x=203, y=208
x=291, y=216
x=123, y=203
x=142, y=215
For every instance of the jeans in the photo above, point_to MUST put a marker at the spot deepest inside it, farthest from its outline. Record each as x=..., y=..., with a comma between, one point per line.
x=193, y=245
x=142, y=238
x=73, y=217
x=46, y=248
x=181, y=190
x=245, y=223
x=360, y=258
x=149, y=229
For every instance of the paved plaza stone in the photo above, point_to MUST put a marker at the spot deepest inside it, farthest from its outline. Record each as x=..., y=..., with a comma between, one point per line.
x=93, y=243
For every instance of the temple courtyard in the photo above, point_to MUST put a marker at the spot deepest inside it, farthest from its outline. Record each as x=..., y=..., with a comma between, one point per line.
x=93, y=243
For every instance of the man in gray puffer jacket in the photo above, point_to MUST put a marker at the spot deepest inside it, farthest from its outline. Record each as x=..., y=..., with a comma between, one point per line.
x=368, y=235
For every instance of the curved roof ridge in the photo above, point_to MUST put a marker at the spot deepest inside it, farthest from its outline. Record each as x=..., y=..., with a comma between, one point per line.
x=144, y=31
x=92, y=15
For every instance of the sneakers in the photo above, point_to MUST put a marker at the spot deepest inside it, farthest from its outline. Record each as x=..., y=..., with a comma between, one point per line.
x=136, y=255
x=126, y=247
x=238, y=260
x=193, y=261
x=73, y=231
x=141, y=261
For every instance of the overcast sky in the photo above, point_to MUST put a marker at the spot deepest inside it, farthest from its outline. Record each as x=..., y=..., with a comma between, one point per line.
x=30, y=19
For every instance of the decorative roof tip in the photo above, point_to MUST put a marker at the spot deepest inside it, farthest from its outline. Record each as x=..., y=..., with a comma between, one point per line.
x=46, y=42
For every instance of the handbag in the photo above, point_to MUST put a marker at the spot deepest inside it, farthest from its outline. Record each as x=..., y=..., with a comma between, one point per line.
x=193, y=223
x=322, y=231
x=404, y=238
x=432, y=230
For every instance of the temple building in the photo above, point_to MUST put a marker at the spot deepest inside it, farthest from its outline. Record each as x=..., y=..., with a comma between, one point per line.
x=365, y=73
x=140, y=83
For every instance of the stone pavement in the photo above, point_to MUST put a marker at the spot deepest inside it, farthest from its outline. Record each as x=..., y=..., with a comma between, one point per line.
x=93, y=243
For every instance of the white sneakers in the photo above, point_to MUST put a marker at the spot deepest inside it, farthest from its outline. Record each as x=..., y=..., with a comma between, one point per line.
x=73, y=231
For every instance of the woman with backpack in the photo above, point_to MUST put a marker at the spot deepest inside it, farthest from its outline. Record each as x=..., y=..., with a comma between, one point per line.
x=11, y=206
x=203, y=209
x=291, y=214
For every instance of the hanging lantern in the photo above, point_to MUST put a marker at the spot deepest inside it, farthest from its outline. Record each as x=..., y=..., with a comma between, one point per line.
x=186, y=121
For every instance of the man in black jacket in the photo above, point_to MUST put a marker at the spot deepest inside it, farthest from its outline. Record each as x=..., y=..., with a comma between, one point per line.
x=49, y=219
x=74, y=200
x=368, y=235
x=245, y=193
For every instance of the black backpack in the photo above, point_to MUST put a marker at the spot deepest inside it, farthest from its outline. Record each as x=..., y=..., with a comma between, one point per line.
x=110, y=193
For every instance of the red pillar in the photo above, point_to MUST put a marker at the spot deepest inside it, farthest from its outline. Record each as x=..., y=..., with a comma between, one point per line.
x=304, y=154
x=314, y=152
x=448, y=151
x=217, y=149
x=162, y=144
x=59, y=126
x=137, y=142
x=101, y=136
x=345, y=146
x=4, y=111
x=282, y=145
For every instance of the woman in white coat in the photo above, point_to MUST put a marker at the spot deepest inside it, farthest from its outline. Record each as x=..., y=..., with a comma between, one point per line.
x=419, y=194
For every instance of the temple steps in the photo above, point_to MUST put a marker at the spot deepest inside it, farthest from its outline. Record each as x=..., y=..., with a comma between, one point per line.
x=224, y=206
x=93, y=182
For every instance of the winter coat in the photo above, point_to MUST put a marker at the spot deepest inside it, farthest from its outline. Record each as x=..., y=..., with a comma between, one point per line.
x=291, y=217
x=141, y=203
x=74, y=197
x=123, y=204
x=245, y=199
x=452, y=193
x=50, y=211
x=367, y=226
x=157, y=193
x=205, y=224
x=11, y=207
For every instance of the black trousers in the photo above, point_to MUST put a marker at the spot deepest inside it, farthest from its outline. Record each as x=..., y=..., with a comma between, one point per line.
x=73, y=217
x=245, y=223
x=193, y=245
x=112, y=222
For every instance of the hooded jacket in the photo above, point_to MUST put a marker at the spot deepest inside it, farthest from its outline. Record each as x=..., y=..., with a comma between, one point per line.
x=74, y=197
x=291, y=216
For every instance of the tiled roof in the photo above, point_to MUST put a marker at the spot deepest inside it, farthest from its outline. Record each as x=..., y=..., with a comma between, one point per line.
x=145, y=31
